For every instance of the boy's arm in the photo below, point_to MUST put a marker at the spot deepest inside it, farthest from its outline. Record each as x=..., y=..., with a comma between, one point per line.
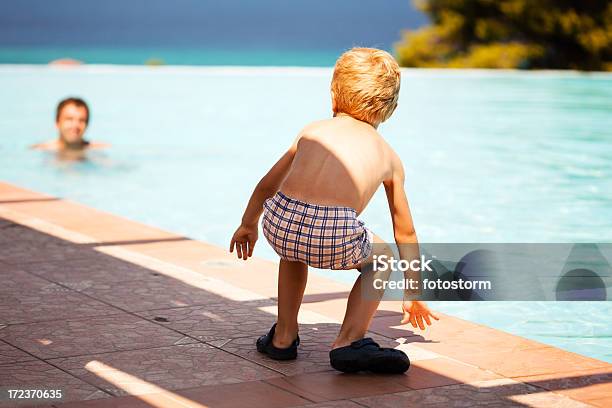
x=246, y=235
x=403, y=227
x=268, y=186
x=405, y=237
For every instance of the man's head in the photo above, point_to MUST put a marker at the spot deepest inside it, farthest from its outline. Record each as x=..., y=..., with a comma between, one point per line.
x=71, y=119
x=366, y=85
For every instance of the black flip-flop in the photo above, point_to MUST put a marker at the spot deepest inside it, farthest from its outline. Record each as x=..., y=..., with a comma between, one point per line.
x=367, y=355
x=264, y=345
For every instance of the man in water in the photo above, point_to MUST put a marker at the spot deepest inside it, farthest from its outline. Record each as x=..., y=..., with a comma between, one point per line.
x=71, y=120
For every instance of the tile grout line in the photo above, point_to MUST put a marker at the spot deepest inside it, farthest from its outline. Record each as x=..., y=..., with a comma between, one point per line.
x=471, y=384
x=53, y=365
x=360, y=404
x=20, y=349
x=114, y=351
x=246, y=359
x=289, y=391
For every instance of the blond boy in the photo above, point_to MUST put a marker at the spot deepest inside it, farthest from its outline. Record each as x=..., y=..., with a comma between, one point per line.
x=311, y=198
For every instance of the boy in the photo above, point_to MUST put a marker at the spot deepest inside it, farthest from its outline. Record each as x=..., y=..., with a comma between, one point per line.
x=311, y=199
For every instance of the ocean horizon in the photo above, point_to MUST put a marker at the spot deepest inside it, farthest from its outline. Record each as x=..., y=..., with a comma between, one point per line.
x=170, y=56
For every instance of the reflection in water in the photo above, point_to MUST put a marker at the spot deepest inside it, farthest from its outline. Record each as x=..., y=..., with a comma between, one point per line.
x=82, y=161
x=71, y=155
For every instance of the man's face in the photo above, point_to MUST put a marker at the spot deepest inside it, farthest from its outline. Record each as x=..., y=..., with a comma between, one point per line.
x=72, y=123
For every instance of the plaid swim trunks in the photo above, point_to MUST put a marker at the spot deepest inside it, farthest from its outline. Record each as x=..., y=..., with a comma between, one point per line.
x=322, y=236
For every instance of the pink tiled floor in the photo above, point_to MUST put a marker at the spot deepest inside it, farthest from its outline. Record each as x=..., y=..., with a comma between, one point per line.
x=124, y=315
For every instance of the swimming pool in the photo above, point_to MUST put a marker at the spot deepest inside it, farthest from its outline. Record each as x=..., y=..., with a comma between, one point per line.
x=489, y=156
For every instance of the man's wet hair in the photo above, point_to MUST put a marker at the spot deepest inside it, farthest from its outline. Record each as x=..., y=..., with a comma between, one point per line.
x=78, y=102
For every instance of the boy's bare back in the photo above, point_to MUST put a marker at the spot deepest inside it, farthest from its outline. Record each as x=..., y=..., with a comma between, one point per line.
x=340, y=161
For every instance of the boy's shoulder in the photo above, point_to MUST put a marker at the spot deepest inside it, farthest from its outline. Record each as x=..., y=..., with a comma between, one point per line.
x=331, y=126
x=315, y=130
x=312, y=127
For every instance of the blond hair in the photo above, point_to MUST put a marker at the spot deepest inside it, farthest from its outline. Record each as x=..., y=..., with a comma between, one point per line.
x=366, y=84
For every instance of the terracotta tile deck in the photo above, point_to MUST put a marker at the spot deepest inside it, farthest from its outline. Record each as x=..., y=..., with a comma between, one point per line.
x=120, y=314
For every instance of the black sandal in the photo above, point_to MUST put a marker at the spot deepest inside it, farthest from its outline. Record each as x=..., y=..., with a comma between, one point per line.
x=367, y=355
x=265, y=346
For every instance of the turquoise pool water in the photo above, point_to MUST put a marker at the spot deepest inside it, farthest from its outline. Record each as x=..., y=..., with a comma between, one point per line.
x=490, y=157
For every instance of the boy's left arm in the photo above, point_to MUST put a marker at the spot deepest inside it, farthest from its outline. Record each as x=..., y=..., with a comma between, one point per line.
x=415, y=312
x=246, y=235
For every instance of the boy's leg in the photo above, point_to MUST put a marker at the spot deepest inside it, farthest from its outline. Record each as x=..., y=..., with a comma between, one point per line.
x=359, y=311
x=292, y=277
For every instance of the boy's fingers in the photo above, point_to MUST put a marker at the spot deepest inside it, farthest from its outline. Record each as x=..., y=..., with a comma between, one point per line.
x=420, y=322
x=244, y=251
x=413, y=320
x=238, y=250
x=427, y=320
x=232, y=245
x=406, y=318
x=251, y=247
x=434, y=316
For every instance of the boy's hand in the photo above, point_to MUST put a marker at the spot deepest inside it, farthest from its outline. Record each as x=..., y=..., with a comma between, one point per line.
x=415, y=312
x=244, y=239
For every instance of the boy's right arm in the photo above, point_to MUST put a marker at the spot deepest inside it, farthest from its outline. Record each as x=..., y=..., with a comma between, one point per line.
x=246, y=235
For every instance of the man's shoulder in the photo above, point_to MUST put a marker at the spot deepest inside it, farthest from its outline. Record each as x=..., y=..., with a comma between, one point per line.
x=49, y=145
x=97, y=145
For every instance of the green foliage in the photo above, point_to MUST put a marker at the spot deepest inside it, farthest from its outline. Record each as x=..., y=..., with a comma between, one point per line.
x=560, y=34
